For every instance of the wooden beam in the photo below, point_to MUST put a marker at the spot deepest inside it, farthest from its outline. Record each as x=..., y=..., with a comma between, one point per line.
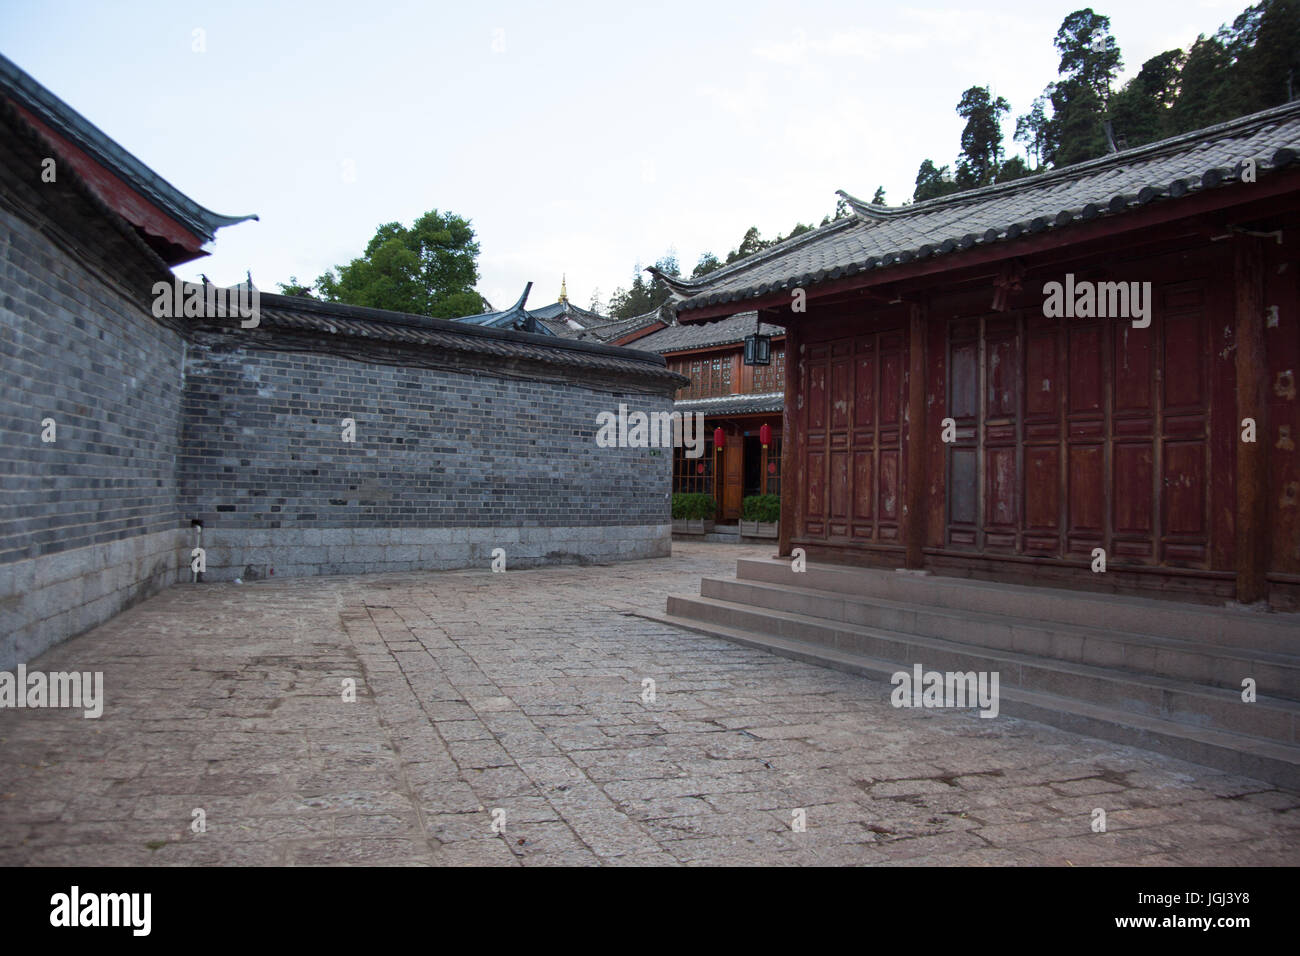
x=918, y=438
x=791, y=443
x=1252, y=402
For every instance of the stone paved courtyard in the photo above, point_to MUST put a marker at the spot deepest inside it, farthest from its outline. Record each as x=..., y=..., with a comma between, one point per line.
x=522, y=692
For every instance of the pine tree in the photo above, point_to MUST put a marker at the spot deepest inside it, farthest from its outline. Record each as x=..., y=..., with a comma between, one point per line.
x=981, y=140
x=932, y=182
x=1205, y=94
x=1140, y=111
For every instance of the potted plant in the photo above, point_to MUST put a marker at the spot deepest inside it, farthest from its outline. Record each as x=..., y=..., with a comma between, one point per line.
x=693, y=513
x=760, y=516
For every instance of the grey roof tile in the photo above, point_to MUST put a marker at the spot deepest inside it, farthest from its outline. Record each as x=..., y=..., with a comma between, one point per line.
x=879, y=237
x=314, y=318
x=698, y=335
x=553, y=319
x=611, y=329
x=747, y=404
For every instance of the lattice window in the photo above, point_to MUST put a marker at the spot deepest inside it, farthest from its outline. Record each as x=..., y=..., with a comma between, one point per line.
x=771, y=378
x=772, y=480
x=693, y=474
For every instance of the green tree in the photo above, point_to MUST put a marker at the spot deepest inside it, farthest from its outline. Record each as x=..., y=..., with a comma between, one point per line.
x=1140, y=111
x=981, y=140
x=1264, y=42
x=1089, y=54
x=646, y=293
x=1205, y=94
x=1013, y=168
x=707, y=263
x=1031, y=129
x=932, y=182
x=1075, y=132
x=1090, y=60
x=750, y=243
x=841, y=212
x=799, y=229
x=429, y=269
x=294, y=287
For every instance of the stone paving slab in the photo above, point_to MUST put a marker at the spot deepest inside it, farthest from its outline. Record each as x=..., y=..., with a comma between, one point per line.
x=499, y=719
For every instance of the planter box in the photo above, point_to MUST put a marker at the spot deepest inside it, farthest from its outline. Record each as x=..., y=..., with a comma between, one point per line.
x=758, y=529
x=693, y=526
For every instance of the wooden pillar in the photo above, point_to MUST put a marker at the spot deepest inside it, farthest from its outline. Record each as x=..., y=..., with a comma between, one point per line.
x=792, y=489
x=914, y=527
x=1252, y=402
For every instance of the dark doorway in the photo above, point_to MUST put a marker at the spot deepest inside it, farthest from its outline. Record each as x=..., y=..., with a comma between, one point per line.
x=753, y=483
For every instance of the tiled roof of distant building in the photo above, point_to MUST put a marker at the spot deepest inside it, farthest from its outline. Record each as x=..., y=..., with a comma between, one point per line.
x=678, y=338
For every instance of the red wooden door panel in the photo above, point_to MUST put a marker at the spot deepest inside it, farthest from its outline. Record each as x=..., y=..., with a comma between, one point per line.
x=1044, y=478
x=840, y=450
x=1085, y=416
x=853, y=423
x=1001, y=438
x=815, y=414
x=1133, y=429
x=1078, y=434
x=963, y=453
x=1184, y=502
x=892, y=358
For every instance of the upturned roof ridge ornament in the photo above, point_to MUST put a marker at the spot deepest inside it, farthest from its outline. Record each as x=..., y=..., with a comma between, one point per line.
x=869, y=211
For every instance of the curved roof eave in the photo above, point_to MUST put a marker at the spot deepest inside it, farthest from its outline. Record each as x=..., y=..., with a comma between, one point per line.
x=85, y=135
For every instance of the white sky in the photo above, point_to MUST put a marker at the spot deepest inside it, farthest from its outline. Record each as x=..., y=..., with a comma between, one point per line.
x=594, y=135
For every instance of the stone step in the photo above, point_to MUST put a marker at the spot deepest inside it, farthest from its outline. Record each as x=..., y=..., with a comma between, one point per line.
x=1250, y=629
x=1267, y=760
x=1199, y=662
x=1179, y=702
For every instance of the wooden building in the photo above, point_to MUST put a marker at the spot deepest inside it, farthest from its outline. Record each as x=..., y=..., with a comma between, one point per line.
x=953, y=410
x=738, y=398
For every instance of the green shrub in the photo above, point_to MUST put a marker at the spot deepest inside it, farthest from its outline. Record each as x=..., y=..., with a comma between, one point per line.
x=692, y=507
x=764, y=508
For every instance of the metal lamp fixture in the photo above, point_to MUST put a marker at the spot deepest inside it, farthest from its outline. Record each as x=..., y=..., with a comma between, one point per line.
x=758, y=347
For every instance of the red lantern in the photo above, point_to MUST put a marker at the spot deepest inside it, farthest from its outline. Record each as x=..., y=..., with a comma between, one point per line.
x=771, y=468
x=765, y=435
x=719, y=438
x=699, y=469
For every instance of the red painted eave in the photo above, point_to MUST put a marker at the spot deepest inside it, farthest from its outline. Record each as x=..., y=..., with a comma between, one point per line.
x=173, y=242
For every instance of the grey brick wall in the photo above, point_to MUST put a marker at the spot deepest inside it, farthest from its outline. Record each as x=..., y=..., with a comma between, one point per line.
x=88, y=523
x=83, y=354
x=263, y=448
x=154, y=431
